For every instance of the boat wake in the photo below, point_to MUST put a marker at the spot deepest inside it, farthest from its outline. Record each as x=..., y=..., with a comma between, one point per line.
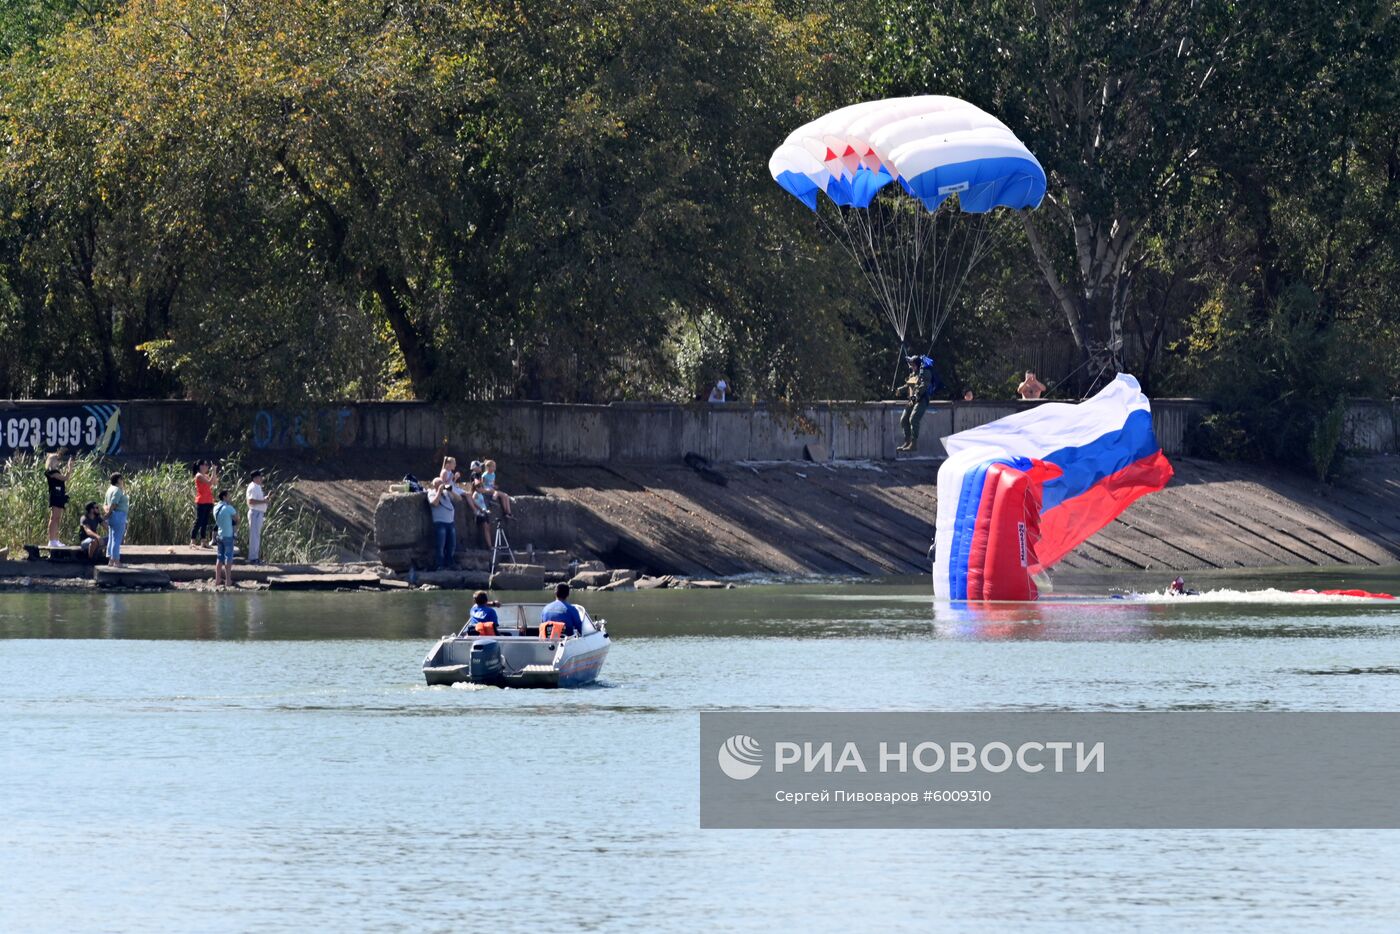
x=1267, y=596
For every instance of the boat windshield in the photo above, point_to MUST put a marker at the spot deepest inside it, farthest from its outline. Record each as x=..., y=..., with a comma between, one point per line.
x=522, y=615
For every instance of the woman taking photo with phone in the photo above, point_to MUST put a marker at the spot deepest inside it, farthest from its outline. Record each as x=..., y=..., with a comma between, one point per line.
x=56, y=473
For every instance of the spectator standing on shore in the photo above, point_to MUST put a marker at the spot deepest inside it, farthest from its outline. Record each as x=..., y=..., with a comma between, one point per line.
x=1030, y=388
x=720, y=392
x=225, y=518
x=440, y=499
x=114, y=506
x=57, y=473
x=205, y=476
x=92, y=533
x=257, y=512
x=488, y=483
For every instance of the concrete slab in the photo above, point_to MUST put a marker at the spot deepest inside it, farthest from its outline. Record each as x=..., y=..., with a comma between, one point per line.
x=48, y=569
x=130, y=577
x=321, y=581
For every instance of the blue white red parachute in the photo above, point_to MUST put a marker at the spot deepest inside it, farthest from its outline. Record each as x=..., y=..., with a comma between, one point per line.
x=933, y=145
x=1018, y=494
x=914, y=252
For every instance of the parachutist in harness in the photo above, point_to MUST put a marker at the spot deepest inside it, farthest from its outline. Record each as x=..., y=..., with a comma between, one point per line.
x=921, y=385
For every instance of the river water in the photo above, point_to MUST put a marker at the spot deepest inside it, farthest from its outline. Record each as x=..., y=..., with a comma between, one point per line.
x=274, y=762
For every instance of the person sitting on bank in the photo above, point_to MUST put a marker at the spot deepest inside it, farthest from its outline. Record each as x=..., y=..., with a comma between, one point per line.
x=562, y=611
x=451, y=476
x=1030, y=388
x=483, y=619
x=92, y=532
x=488, y=484
x=720, y=392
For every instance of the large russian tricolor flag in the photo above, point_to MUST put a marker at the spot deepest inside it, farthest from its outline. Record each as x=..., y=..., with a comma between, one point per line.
x=1106, y=453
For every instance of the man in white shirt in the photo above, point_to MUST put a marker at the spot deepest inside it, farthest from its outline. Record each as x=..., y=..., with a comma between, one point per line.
x=719, y=393
x=257, y=512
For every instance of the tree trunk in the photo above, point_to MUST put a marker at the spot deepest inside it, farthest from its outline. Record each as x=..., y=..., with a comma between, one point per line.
x=417, y=356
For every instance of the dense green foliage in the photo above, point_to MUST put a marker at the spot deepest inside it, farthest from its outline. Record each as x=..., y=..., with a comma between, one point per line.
x=312, y=199
x=1224, y=191
x=162, y=508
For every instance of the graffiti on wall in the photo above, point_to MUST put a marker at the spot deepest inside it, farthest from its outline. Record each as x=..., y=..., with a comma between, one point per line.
x=322, y=428
x=50, y=428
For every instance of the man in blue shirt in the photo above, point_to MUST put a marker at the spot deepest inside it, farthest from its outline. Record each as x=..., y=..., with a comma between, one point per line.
x=562, y=611
x=483, y=612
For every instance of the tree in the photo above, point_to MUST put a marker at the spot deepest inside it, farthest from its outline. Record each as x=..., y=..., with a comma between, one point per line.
x=1109, y=98
x=24, y=23
x=474, y=195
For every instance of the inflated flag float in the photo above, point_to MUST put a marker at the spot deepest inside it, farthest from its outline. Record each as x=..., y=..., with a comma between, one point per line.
x=1018, y=494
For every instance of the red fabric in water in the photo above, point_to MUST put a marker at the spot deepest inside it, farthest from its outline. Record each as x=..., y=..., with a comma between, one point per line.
x=1350, y=593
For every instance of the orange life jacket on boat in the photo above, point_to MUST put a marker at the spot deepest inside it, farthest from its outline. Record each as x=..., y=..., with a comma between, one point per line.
x=485, y=629
x=551, y=631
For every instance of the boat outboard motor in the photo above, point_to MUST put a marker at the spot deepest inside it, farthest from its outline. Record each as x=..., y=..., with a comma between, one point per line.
x=487, y=666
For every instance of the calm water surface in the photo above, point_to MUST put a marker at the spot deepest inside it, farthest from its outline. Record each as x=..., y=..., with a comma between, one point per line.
x=204, y=762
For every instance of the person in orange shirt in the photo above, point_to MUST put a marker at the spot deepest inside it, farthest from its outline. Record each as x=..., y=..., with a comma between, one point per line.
x=205, y=476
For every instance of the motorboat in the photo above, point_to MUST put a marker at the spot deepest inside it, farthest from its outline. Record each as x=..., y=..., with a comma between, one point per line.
x=521, y=653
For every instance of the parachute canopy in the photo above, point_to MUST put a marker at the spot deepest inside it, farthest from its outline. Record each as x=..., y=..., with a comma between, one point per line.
x=915, y=252
x=1018, y=494
x=933, y=146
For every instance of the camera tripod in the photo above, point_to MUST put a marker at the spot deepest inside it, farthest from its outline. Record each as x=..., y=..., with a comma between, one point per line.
x=501, y=545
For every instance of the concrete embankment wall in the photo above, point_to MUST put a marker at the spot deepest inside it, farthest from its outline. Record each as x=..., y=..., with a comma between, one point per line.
x=547, y=433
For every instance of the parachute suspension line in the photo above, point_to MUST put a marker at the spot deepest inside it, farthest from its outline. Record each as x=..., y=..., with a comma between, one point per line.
x=881, y=231
x=979, y=237
x=908, y=231
x=898, y=364
x=858, y=236
x=915, y=262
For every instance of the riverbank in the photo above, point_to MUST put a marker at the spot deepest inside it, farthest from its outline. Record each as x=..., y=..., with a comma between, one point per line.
x=794, y=519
